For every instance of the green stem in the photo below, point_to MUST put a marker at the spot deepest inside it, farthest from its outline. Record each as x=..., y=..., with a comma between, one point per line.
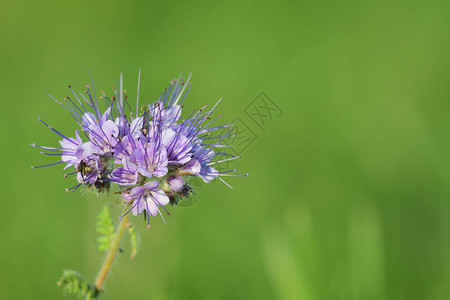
x=115, y=244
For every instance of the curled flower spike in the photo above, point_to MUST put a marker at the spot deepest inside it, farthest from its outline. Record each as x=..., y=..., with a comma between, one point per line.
x=147, y=152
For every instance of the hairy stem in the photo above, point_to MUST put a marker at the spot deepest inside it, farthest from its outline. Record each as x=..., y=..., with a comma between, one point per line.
x=115, y=244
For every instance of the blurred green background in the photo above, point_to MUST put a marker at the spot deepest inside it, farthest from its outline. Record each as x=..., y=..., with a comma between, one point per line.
x=349, y=191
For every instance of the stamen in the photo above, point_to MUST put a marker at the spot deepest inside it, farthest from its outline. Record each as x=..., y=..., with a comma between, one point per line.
x=95, y=97
x=137, y=97
x=182, y=91
x=56, y=163
x=225, y=183
x=233, y=175
x=137, y=202
x=57, y=132
x=223, y=160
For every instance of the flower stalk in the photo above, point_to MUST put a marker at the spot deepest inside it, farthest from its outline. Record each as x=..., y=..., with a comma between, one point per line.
x=112, y=252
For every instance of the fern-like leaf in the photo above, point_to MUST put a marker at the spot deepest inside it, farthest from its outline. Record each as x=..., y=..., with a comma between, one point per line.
x=105, y=227
x=73, y=283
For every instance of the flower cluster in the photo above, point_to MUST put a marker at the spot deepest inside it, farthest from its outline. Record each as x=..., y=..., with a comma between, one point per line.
x=148, y=153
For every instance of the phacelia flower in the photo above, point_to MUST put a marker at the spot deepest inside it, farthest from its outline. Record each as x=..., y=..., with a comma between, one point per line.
x=147, y=153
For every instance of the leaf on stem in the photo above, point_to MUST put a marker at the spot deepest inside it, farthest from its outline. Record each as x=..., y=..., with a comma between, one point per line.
x=105, y=227
x=73, y=283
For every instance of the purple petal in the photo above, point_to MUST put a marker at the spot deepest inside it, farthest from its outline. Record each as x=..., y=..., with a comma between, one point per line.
x=105, y=115
x=152, y=207
x=139, y=208
x=110, y=130
x=138, y=157
x=151, y=185
x=160, y=197
x=160, y=172
x=168, y=136
x=193, y=167
x=89, y=119
x=145, y=172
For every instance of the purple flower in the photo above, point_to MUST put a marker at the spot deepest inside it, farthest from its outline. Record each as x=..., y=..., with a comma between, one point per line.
x=151, y=161
x=104, y=136
x=125, y=175
x=178, y=147
x=147, y=197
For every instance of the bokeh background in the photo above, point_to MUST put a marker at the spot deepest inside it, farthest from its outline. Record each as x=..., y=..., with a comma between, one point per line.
x=348, y=194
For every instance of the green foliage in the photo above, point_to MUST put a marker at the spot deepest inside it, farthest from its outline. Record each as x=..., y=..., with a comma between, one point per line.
x=134, y=239
x=73, y=283
x=105, y=227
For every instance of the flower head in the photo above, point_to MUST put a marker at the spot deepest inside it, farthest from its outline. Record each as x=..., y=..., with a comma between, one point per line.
x=148, y=153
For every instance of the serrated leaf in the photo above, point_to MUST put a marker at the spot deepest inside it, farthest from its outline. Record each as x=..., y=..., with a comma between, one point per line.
x=105, y=227
x=73, y=283
x=134, y=239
